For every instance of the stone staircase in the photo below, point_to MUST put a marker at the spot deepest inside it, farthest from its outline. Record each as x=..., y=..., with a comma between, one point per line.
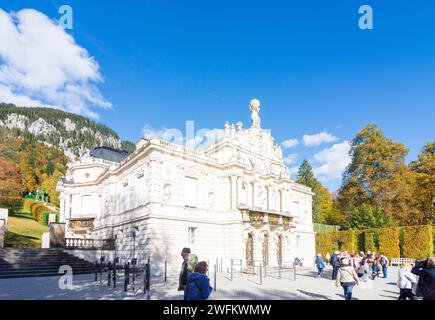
x=20, y=263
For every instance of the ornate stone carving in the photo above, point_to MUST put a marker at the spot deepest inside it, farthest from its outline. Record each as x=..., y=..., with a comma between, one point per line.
x=255, y=117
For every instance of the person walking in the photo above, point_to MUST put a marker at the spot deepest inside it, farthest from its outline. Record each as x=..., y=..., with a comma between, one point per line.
x=187, y=267
x=320, y=264
x=405, y=281
x=335, y=261
x=426, y=281
x=384, y=265
x=347, y=278
x=198, y=284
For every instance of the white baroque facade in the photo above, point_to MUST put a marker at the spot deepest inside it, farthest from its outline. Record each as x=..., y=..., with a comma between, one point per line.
x=231, y=200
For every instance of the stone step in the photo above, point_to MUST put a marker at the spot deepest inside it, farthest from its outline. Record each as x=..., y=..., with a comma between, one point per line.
x=41, y=274
x=16, y=263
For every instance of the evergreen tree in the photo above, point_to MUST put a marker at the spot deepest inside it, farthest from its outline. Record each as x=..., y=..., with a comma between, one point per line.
x=366, y=216
x=322, y=202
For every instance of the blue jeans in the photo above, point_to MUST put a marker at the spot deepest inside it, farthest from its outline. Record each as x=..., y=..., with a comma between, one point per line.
x=348, y=292
x=319, y=271
x=384, y=271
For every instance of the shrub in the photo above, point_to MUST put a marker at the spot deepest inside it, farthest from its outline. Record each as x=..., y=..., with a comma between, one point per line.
x=389, y=242
x=325, y=242
x=38, y=210
x=346, y=241
x=417, y=242
x=369, y=241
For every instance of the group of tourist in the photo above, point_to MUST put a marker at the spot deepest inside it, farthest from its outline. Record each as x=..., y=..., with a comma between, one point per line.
x=193, y=277
x=349, y=270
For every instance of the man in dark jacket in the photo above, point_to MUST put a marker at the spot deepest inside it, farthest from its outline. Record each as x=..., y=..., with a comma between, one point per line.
x=184, y=273
x=426, y=281
x=335, y=261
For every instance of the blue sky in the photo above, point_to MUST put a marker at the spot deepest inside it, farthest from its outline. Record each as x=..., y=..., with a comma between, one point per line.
x=314, y=70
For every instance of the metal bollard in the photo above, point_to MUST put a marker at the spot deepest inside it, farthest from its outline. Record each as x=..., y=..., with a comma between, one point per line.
x=221, y=265
x=265, y=268
x=279, y=271
x=232, y=269
x=127, y=276
x=294, y=272
x=215, y=272
x=96, y=270
x=261, y=275
x=166, y=271
x=109, y=274
x=147, y=280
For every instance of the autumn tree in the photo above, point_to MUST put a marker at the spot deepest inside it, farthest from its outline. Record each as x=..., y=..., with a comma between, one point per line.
x=11, y=185
x=377, y=176
x=424, y=191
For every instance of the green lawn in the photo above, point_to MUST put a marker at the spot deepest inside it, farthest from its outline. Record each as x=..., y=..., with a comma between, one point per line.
x=24, y=231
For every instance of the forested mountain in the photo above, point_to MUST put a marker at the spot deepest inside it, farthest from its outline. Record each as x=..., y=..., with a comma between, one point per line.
x=73, y=134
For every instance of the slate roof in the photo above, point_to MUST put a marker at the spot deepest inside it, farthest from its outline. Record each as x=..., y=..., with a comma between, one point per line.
x=109, y=154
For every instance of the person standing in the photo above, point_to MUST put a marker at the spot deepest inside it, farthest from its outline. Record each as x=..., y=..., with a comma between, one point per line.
x=335, y=261
x=187, y=267
x=405, y=282
x=320, y=264
x=426, y=281
x=384, y=264
x=198, y=284
x=347, y=278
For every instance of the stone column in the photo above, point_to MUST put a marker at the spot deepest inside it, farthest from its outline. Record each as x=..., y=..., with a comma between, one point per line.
x=273, y=249
x=258, y=246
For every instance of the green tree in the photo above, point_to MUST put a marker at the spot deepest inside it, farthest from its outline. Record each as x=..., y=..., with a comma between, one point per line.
x=377, y=175
x=322, y=202
x=366, y=217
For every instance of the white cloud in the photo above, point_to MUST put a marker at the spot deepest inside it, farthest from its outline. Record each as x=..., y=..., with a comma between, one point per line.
x=318, y=139
x=42, y=65
x=287, y=144
x=291, y=158
x=332, y=162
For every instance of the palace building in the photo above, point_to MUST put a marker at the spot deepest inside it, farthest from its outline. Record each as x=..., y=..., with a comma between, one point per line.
x=232, y=199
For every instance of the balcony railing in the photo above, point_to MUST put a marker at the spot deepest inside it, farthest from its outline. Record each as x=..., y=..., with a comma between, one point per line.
x=90, y=244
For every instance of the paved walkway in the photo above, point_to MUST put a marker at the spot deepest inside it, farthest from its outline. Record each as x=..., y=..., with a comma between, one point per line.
x=246, y=287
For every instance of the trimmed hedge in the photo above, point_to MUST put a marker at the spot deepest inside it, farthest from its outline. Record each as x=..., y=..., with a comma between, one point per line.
x=38, y=210
x=417, y=242
x=407, y=242
x=389, y=242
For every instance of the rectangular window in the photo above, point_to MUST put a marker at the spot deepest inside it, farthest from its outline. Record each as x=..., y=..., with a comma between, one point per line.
x=191, y=235
x=191, y=192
